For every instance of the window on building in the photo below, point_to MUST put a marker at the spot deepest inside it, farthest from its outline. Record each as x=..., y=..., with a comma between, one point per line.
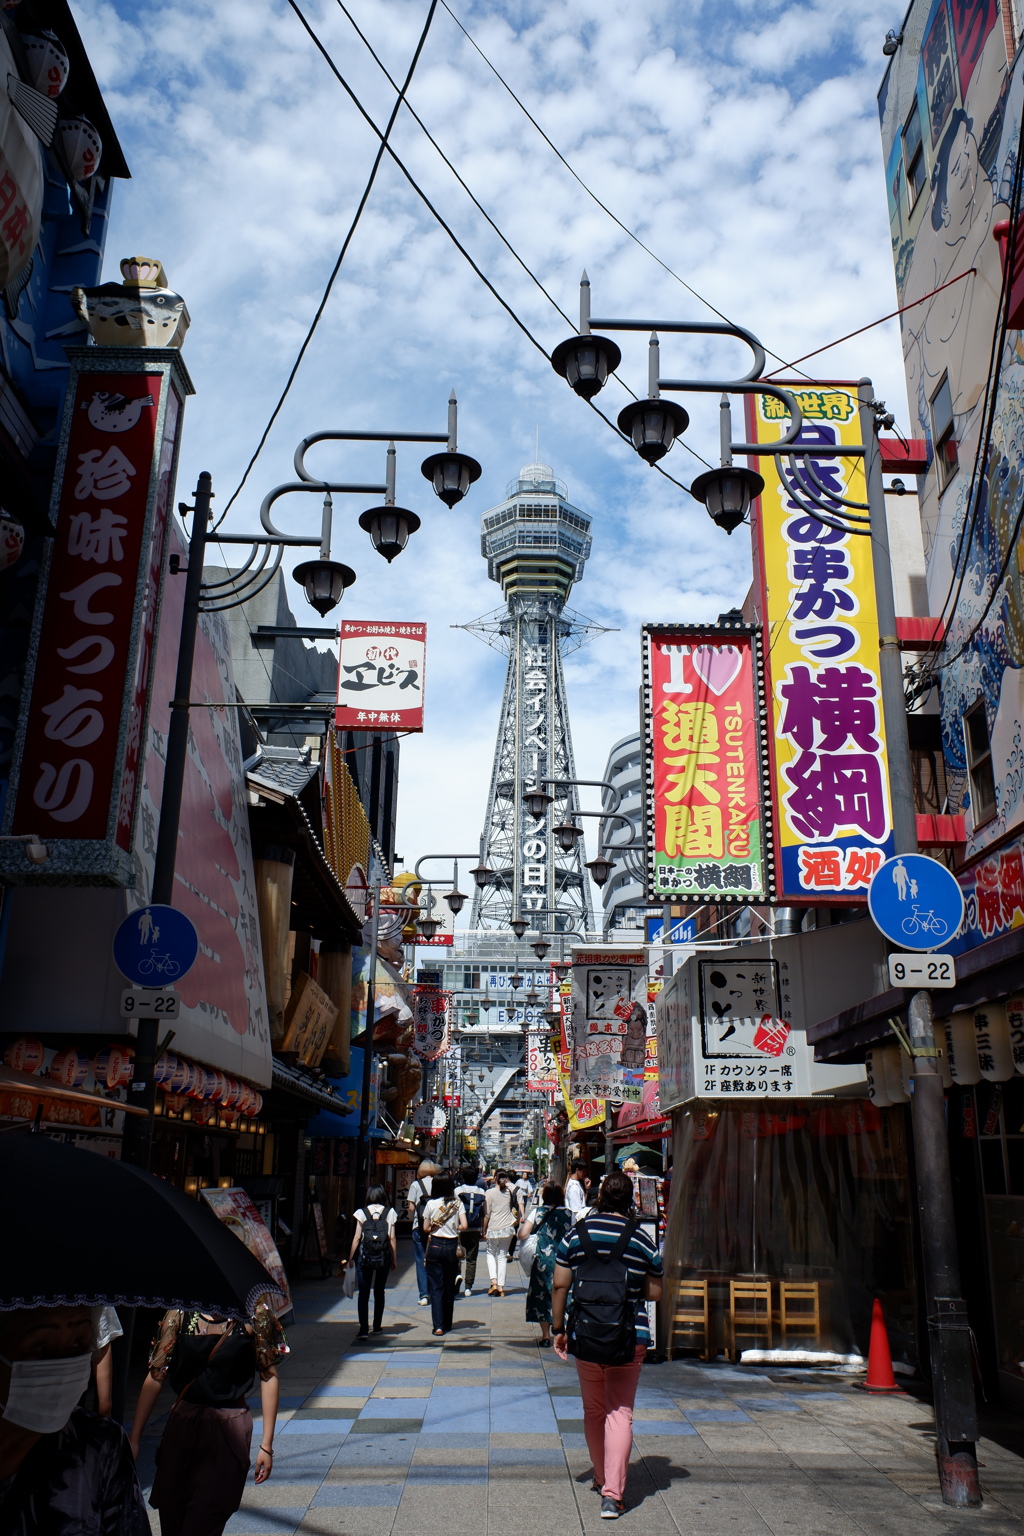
x=979, y=764
x=944, y=442
x=913, y=155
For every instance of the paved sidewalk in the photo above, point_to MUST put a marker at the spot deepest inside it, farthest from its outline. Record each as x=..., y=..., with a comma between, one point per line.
x=482, y=1433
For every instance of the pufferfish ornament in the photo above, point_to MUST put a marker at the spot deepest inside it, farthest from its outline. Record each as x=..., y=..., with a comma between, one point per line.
x=110, y=411
x=140, y=312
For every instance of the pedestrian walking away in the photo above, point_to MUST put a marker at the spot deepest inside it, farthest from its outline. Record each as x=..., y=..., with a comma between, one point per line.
x=611, y=1268
x=419, y=1194
x=375, y=1252
x=212, y=1363
x=443, y=1220
x=472, y=1197
x=498, y=1226
x=63, y=1471
x=548, y=1224
x=577, y=1188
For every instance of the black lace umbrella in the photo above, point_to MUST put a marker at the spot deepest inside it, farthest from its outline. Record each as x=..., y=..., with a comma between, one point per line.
x=80, y=1229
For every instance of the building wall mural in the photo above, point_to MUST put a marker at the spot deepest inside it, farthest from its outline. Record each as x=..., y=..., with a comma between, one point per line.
x=952, y=82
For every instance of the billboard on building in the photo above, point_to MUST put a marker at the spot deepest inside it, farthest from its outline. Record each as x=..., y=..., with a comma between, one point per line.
x=380, y=676
x=541, y=1062
x=705, y=773
x=609, y=1023
x=431, y=1017
x=77, y=758
x=833, y=825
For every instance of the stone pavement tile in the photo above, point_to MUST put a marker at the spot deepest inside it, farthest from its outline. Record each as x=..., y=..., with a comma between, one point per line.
x=324, y=1429
x=322, y=1409
x=405, y=1387
x=366, y=1472
x=525, y=1441
x=526, y=1456
x=661, y=1429
x=717, y=1416
x=751, y=1458
x=272, y=1493
x=798, y=1510
x=386, y=1425
x=325, y=1521
x=448, y=1474
x=269, y=1522
x=332, y=1399
x=427, y=1509
x=376, y=1450
x=333, y=1495
x=298, y=1462
x=665, y=1412
x=445, y=1454
x=465, y=1440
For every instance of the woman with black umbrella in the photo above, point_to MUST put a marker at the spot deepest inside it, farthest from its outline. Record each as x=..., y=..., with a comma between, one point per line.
x=212, y=1364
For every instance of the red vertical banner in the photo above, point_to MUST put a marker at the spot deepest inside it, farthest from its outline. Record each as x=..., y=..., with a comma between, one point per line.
x=83, y=714
x=707, y=807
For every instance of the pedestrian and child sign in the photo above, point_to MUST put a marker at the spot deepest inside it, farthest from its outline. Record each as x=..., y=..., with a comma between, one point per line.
x=155, y=946
x=916, y=902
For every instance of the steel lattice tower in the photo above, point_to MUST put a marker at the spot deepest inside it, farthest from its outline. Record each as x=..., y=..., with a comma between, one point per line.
x=536, y=545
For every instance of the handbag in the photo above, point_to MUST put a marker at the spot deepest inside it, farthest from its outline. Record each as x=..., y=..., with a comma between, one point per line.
x=348, y=1284
x=444, y=1214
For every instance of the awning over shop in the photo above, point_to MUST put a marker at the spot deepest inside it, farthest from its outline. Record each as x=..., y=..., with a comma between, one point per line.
x=290, y=1081
x=319, y=903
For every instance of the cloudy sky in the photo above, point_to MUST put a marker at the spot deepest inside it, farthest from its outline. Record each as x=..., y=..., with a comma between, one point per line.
x=739, y=140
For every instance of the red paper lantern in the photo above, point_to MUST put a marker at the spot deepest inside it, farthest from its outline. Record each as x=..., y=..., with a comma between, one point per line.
x=112, y=1067
x=49, y=65
x=82, y=146
x=25, y=1055
x=163, y=1072
x=70, y=1068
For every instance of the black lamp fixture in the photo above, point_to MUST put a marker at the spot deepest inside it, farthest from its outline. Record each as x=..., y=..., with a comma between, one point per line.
x=537, y=801
x=532, y=998
x=451, y=473
x=482, y=875
x=600, y=869
x=518, y=926
x=586, y=360
x=486, y=1003
x=652, y=425
x=428, y=926
x=516, y=981
x=324, y=583
x=553, y=1018
x=567, y=836
x=389, y=528
x=727, y=493
x=893, y=39
x=541, y=948
x=456, y=901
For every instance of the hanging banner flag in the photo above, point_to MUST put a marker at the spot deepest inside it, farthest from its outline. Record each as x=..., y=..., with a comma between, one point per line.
x=431, y=1016
x=86, y=694
x=706, y=777
x=830, y=784
x=609, y=1022
x=582, y=1112
x=541, y=1066
x=380, y=676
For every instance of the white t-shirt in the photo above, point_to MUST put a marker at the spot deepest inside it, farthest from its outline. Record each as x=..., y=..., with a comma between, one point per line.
x=417, y=1189
x=375, y=1211
x=449, y=1228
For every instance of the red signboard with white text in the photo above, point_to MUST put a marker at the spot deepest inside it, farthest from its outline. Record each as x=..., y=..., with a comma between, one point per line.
x=86, y=697
x=380, y=676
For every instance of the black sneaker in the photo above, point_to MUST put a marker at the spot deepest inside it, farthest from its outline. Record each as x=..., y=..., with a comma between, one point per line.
x=611, y=1508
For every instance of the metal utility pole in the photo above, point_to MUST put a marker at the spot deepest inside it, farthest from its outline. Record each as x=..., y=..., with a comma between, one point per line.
x=949, y=1339
x=137, y=1139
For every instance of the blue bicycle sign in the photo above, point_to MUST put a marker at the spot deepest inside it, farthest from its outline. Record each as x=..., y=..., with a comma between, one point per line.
x=916, y=901
x=155, y=942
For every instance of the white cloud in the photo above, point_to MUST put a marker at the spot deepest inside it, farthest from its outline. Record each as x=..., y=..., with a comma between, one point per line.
x=740, y=140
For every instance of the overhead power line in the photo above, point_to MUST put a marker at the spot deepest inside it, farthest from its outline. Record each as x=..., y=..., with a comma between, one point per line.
x=341, y=255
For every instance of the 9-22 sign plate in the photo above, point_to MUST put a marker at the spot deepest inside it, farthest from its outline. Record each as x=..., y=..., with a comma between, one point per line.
x=922, y=971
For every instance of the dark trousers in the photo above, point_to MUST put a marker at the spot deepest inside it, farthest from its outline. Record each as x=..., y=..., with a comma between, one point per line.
x=377, y=1279
x=442, y=1271
x=471, y=1243
x=417, y=1248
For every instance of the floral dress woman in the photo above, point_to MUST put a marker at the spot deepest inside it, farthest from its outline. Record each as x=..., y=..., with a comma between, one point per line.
x=550, y=1223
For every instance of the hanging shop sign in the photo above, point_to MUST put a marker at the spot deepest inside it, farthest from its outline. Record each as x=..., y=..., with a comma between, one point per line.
x=380, y=676
x=21, y=179
x=238, y=1213
x=541, y=1065
x=706, y=777
x=581, y=1111
x=308, y=1022
x=76, y=773
x=430, y=1117
x=609, y=1023
x=830, y=783
x=431, y=1013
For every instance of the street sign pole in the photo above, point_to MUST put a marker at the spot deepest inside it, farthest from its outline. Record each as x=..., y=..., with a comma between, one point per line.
x=363, y=1144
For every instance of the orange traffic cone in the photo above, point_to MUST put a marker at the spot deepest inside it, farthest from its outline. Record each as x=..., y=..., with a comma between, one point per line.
x=880, y=1377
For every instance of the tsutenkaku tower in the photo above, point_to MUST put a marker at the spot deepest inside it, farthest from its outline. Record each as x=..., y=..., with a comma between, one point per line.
x=536, y=546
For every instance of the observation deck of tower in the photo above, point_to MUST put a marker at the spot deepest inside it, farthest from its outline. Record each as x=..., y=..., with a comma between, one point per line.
x=536, y=545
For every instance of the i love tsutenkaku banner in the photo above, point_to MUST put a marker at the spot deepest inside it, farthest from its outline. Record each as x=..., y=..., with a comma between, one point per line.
x=830, y=781
x=706, y=776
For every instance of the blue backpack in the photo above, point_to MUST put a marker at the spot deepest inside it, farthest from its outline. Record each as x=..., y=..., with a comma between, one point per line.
x=473, y=1200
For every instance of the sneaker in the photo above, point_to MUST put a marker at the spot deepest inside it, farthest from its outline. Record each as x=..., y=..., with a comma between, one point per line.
x=467, y=1293
x=611, y=1508
x=424, y=1301
x=362, y=1335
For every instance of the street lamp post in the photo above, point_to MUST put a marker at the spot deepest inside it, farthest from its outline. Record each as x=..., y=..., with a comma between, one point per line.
x=585, y=360
x=324, y=581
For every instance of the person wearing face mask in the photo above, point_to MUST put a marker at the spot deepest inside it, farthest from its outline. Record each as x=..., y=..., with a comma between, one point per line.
x=63, y=1471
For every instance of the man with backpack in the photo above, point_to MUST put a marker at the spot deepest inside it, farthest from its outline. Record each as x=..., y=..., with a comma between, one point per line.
x=374, y=1243
x=472, y=1197
x=611, y=1268
x=419, y=1194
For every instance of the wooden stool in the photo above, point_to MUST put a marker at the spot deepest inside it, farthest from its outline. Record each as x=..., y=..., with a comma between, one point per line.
x=750, y=1314
x=799, y=1311
x=690, y=1318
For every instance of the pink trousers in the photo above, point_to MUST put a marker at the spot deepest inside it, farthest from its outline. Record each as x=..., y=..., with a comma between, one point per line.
x=608, y=1393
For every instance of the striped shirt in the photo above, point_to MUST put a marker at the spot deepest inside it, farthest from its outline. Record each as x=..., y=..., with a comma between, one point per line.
x=641, y=1258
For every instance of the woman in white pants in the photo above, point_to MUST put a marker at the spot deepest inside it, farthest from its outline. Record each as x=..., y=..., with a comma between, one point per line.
x=499, y=1222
